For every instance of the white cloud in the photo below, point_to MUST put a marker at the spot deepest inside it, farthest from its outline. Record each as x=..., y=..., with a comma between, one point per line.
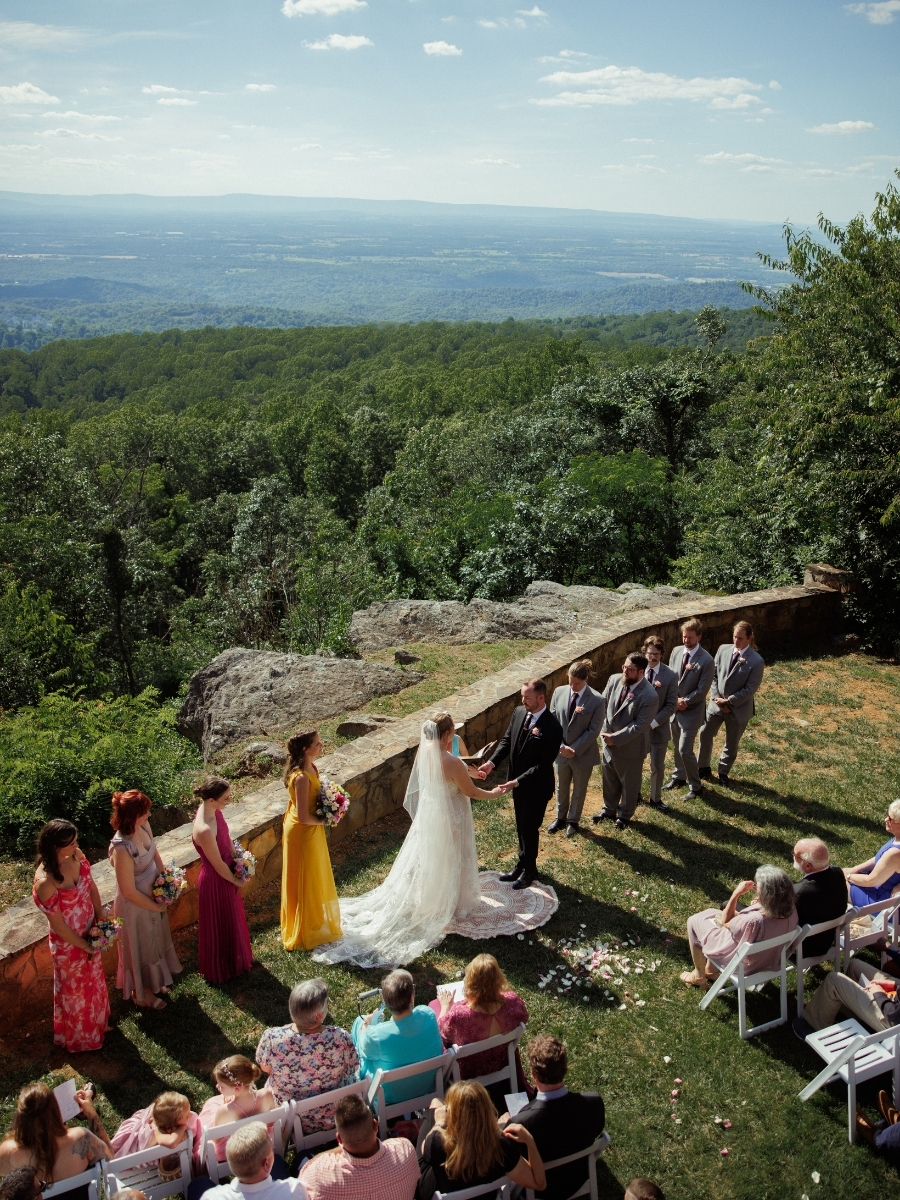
x=156, y=88
x=843, y=127
x=25, y=93
x=630, y=85
x=565, y=56
x=744, y=162
x=325, y=8
x=531, y=12
x=179, y=100
x=74, y=114
x=79, y=133
x=488, y=24
x=447, y=49
x=774, y=85
x=882, y=13
x=338, y=41
x=496, y=162
x=260, y=87
x=28, y=36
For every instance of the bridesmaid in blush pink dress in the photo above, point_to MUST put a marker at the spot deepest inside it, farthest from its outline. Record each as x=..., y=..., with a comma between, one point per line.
x=223, y=936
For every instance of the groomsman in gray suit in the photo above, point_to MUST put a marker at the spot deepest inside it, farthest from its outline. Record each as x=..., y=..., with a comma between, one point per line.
x=738, y=674
x=579, y=710
x=664, y=682
x=694, y=668
x=630, y=705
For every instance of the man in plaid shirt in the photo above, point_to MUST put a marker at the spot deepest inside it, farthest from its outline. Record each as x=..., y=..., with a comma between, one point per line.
x=362, y=1167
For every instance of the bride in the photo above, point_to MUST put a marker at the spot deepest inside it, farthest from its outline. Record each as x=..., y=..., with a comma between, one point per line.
x=434, y=881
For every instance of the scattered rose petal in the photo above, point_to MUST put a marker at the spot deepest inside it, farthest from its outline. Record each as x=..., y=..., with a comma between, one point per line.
x=678, y=1120
x=633, y=909
x=724, y=1153
x=666, y=1058
x=677, y=1080
x=521, y=937
x=815, y=1176
x=675, y=1093
x=718, y=1120
x=726, y=1124
x=674, y=1116
x=621, y=1006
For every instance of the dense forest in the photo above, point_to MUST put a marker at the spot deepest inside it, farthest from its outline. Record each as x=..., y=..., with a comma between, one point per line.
x=164, y=496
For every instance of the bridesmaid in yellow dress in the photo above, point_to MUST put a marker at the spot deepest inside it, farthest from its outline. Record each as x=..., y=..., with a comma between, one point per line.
x=310, y=914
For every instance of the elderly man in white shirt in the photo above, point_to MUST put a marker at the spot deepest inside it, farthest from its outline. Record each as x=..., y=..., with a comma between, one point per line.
x=250, y=1155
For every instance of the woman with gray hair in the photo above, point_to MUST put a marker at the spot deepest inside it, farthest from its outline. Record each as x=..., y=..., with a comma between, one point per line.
x=308, y=1057
x=718, y=935
x=877, y=878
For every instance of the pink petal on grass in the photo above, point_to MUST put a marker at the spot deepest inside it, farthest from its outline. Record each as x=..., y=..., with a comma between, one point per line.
x=678, y=1081
x=723, y=1153
x=726, y=1124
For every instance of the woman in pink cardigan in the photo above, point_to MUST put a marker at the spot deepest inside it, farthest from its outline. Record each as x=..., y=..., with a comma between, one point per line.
x=715, y=934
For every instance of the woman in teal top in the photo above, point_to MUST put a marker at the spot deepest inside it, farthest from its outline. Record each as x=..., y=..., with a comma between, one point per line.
x=410, y=1036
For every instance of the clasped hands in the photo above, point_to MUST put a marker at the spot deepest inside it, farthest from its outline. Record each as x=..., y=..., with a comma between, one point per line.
x=723, y=704
x=502, y=788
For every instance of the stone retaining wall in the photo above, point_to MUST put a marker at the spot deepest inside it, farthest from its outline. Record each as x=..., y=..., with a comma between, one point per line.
x=375, y=769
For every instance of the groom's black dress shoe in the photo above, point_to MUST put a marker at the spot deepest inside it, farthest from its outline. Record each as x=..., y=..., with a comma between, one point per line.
x=706, y=772
x=524, y=882
x=603, y=815
x=511, y=875
x=557, y=826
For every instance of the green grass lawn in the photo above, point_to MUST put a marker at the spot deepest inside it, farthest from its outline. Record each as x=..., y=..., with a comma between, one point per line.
x=821, y=757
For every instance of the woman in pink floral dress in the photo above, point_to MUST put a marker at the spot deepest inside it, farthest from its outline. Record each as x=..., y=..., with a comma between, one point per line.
x=65, y=892
x=308, y=1057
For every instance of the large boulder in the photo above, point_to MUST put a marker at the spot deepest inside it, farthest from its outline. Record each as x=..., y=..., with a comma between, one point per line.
x=450, y=623
x=546, y=612
x=248, y=693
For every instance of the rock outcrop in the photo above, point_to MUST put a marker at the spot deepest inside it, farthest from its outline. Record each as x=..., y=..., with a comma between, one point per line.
x=247, y=693
x=546, y=612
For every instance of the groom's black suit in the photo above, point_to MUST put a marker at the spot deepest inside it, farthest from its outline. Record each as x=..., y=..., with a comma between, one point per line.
x=531, y=758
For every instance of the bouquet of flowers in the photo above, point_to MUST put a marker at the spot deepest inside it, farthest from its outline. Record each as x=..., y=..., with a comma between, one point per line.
x=332, y=803
x=169, y=882
x=244, y=862
x=104, y=932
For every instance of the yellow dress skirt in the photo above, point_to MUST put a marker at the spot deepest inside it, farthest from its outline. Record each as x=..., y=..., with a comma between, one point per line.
x=310, y=913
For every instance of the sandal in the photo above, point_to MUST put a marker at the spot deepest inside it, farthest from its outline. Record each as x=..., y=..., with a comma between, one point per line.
x=692, y=979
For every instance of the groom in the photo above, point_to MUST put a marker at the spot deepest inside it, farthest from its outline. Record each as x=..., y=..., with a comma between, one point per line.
x=532, y=743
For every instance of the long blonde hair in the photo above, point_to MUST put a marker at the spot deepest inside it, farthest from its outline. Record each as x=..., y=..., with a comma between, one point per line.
x=472, y=1137
x=484, y=982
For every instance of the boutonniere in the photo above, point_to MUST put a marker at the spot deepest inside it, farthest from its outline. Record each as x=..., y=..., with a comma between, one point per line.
x=579, y=708
x=630, y=696
x=535, y=732
x=656, y=683
x=742, y=662
x=691, y=667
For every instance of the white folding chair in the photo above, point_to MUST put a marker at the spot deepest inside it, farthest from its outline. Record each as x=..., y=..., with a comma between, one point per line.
x=834, y=951
x=591, y=1153
x=883, y=925
x=90, y=1177
x=438, y=1068
x=509, y=1072
x=141, y=1172
x=299, y=1108
x=854, y=1055
x=499, y=1190
x=278, y=1120
x=734, y=977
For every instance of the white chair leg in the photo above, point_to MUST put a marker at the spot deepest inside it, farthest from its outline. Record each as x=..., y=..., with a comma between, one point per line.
x=851, y=1102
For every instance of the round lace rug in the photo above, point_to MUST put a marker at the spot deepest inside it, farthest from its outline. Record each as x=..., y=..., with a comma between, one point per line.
x=504, y=911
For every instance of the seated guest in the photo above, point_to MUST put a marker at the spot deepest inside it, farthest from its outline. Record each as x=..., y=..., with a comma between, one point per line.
x=235, y=1079
x=250, y=1158
x=820, y=896
x=885, y=1135
x=718, y=935
x=410, y=1037
x=308, y=1057
x=165, y=1122
x=362, y=1167
x=39, y=1138
x=643, y=1189
x=128, y=1194
x=462, y=1145
x=876, y=879
x=862, y=991
x=561, y=1122
x=23, y=1184
x=490, y=1007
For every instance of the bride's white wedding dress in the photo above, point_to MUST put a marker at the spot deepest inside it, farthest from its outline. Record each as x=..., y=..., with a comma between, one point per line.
x=434, y=887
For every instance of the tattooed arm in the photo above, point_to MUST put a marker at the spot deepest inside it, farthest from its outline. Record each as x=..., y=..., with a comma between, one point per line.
x=95, y=1125
x=89, y=1147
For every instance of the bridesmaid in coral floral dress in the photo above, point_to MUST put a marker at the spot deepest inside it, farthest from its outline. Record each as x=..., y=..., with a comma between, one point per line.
x=65, y=892
x=223, y=936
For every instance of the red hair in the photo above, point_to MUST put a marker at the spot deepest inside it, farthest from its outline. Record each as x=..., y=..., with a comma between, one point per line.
x=127, y=807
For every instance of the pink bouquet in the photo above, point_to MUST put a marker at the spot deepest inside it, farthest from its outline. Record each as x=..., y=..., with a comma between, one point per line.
x=332, y=803
x=244, y=862
x=104, y=932
x=169, y=883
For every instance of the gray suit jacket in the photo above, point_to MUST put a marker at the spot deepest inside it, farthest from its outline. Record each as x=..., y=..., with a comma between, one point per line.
x=665, y=684
x=739, y=684
x=693, y=685
x=629, y=721
x=582, y=731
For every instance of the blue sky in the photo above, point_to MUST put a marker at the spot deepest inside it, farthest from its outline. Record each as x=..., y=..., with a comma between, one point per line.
x=760, y=111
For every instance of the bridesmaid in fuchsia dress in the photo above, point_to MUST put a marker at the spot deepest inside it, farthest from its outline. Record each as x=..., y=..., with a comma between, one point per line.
x=223, y=936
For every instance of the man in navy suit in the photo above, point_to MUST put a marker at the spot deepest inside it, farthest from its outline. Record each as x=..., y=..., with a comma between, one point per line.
x=531, y=743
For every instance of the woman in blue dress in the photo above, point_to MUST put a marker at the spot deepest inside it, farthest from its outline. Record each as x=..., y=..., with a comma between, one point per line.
x=877, y=878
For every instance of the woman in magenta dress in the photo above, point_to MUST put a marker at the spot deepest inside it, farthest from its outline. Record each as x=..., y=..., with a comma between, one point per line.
x=67, y=895
x=224, y=939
